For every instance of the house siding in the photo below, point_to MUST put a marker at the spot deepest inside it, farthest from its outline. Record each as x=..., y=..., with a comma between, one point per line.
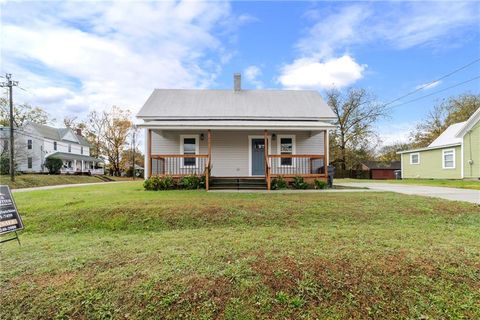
x=471, y=151
x=430, y=166
x=230, y=149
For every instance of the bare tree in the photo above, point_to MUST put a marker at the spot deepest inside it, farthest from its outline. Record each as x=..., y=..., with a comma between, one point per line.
x=356, y=111
x=450, y=111
x=22, y=113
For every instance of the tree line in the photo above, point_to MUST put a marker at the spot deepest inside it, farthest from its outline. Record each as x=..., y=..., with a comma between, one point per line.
x=109, y=132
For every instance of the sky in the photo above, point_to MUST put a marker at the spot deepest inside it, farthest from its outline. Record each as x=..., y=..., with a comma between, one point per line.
x=74, y=57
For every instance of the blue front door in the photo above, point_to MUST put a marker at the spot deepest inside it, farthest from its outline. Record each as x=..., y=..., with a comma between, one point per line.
x=258, y=156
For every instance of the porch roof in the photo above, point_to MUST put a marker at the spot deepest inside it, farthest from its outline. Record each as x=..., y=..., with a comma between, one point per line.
x=238, y=125
x=73, y=156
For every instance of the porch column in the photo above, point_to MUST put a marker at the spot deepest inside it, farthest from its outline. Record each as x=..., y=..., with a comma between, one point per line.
x=325, y=152
x=267, y=172
x=74, y=165
x=83, y=166
x=149, y=153
x=207, y=173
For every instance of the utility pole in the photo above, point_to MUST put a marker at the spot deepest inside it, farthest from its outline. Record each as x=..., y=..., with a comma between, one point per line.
x=10, y=84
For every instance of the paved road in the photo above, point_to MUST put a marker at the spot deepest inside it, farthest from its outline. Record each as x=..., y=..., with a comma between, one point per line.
x=455, y=194
x=64, y=186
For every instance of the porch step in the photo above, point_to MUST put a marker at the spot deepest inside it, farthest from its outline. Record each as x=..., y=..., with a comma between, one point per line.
x=238, y=183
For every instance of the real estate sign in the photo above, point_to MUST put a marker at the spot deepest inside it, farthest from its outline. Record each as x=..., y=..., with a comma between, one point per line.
x=10, y=220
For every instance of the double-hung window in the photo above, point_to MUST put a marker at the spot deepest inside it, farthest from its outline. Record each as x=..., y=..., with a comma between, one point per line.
x=415, y=158
x=55, y=145
x=29, y=163
x=69, y=147
x=29, y=144
x=448, y=159
x=286, y=146
x=189, y=145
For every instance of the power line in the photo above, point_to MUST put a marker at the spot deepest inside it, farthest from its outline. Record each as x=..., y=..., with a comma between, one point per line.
x=433, y=93
x=433, y=81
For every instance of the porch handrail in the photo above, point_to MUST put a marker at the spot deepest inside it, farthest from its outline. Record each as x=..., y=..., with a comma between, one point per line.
x=175, y=165
x=303, y=165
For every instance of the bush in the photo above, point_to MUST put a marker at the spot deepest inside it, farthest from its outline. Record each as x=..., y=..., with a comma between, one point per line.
x=156, y=183
x=320, y=184
x=299, y=183
x=279, y=183
x=192, y=182
x=53, y=165
x=4, y=165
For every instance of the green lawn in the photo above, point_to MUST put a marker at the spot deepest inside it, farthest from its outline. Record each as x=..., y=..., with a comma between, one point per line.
x=116, y=251
x=40, y=180
x=464, y=184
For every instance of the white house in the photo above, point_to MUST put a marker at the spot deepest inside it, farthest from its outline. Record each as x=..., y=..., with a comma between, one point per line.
x=35, y=143
x=236, y=134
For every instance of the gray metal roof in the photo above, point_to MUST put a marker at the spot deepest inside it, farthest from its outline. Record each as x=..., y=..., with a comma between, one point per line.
x=56, y=133
x=228, y=104
x=73, y=156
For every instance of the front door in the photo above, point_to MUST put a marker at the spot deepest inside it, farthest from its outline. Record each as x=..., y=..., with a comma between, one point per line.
x=258, y=156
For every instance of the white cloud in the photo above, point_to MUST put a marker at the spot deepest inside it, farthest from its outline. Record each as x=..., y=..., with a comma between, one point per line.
x=86, y=57
x=312, y=73
x=251, y=75
x=427, y=86
x=337, y=32
x=391, y=133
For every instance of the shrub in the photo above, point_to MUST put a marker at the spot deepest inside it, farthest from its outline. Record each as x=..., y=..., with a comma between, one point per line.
x=4, y=165
x=192, y=182
x=320, y=184
x=53, y=165
x=279, y=183
x=299, y=183
x=156, y=183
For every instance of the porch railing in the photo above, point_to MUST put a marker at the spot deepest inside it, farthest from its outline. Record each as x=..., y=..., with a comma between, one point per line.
x=180, y=164
x=292, y=165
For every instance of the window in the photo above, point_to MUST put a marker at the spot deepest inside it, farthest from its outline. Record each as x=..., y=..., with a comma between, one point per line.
x=29, y=162
x=286, y=145
x=415, y=158
x=81, y=150
x=189, y=145
x=5, y=146
x=54, y=145
x=69, y=147
x=29, y=144
x=448, y=159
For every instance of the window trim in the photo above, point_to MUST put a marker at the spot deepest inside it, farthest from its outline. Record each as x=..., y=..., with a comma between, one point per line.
x=81, y=149
x=29, y=162
x=70, y=148
x=55, y=146
x=294, y=148
x=443, y=159
x=29, y=144
x=411, y=156
x=182, y=146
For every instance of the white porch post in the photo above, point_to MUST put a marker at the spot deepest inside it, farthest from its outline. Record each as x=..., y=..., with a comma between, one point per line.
x=74, y=165
x=83, y=167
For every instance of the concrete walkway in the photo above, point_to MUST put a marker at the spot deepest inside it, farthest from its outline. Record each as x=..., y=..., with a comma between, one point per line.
x=455, y=194
x=59, y=186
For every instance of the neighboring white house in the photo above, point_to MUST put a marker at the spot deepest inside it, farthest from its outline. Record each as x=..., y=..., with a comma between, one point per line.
x=236, y=133
x=35, y=143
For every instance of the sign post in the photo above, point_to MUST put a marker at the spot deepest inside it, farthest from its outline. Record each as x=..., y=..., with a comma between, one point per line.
x=10, y=220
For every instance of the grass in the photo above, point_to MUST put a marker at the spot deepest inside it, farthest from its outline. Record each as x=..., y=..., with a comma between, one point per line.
x=40, y=180
x=118, y=252
x=464, y=184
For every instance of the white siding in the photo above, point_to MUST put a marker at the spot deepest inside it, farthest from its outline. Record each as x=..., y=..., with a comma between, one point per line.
x=230, y=149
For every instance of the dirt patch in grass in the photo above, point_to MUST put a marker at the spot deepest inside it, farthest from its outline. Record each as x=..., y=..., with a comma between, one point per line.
x=386, y=288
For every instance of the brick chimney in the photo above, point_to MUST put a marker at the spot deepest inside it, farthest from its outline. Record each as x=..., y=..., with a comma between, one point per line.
x=237, y=82
x=79, y=132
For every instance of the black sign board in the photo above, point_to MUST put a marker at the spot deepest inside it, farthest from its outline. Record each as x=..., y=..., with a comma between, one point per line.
x=10, y=220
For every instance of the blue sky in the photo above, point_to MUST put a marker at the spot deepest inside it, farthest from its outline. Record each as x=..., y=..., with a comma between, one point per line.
x=73, y=57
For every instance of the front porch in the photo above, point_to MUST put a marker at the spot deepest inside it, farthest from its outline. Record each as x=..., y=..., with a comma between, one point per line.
x=237, y=154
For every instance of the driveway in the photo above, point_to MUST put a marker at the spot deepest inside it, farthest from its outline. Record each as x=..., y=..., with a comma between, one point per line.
x=455, y=194
x=59, y=186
